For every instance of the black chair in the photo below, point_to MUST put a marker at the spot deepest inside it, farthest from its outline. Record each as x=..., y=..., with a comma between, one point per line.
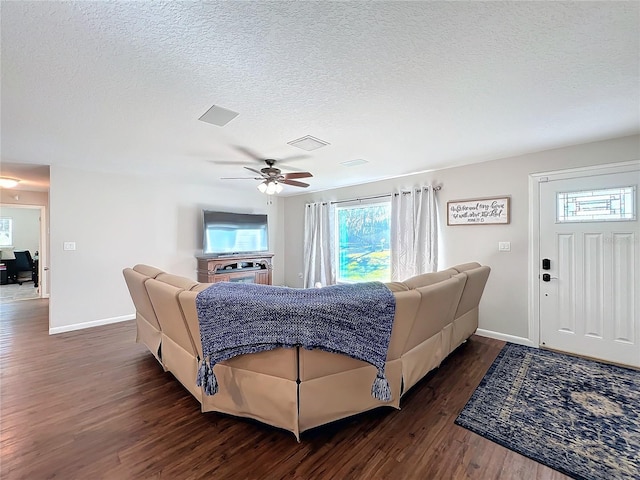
x=24, y=267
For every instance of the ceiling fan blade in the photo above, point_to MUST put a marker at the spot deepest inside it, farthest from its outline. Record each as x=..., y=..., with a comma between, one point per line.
x=255, y=171
x=239, y=178
x=290, y=176
x=295, y=183
x=292, y=158
x=224, y=162
x=248, y=153
x=288, y=167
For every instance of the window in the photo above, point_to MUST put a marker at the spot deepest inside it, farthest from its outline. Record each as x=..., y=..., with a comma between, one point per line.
x=363, y=242
x=6, y=232
x=612, y=204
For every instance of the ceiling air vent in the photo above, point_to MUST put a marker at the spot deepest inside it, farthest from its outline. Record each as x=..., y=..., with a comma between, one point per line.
x=218, y=116
x=353, y=163
x=308, y=143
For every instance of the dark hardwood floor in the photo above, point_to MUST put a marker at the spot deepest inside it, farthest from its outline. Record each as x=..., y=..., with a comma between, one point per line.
x=93, y=404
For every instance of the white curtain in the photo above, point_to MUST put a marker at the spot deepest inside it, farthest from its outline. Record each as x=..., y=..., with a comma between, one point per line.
x=318, y=245
x=414, y=233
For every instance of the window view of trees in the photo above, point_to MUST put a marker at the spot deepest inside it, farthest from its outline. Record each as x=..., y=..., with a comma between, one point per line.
x=363, y=237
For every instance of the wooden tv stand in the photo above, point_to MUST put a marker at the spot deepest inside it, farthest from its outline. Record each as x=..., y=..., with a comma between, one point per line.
x=254, y=268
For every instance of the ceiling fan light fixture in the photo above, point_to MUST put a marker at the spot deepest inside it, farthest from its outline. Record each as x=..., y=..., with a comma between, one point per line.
x=8, y=182
x=262, y=187
x=271, y=188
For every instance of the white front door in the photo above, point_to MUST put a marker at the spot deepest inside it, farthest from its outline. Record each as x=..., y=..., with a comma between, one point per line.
x=589, y=265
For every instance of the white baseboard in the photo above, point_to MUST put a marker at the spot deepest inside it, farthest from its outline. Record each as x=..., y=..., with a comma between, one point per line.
x=95, y=323
x=505, y=337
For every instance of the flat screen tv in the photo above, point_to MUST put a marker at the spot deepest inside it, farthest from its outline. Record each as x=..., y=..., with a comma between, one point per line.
x=228, y=233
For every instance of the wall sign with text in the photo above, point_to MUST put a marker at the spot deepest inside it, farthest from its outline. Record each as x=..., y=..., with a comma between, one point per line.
x=480, y=211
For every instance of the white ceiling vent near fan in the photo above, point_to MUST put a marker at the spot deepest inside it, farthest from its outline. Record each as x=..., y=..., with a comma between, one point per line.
x=218, y=116
x=308, y=143
x=354, y=163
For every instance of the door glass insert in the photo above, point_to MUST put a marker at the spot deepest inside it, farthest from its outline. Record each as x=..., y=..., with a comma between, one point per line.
x=610, y=204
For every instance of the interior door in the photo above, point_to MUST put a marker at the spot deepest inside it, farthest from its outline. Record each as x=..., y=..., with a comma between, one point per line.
x=589, y=266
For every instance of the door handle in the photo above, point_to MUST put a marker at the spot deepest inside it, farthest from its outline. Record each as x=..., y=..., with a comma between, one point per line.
x=547, y=278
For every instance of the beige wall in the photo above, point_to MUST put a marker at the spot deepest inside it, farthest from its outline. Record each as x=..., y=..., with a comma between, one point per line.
x=504, y=304
x=118, y=221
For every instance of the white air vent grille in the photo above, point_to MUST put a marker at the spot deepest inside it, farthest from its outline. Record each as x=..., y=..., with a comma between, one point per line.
x=308, y=143
x=353, y=163
x=218, y=116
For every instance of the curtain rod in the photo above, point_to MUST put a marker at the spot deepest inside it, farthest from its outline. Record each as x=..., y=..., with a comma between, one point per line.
x=435, y=188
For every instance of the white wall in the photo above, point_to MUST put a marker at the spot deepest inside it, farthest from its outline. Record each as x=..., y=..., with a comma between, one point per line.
x=26, y=227
x=118, y=221
x=504, y=305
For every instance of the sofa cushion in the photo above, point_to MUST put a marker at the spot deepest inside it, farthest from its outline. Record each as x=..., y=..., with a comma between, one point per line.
x=397, y=286
x=463, y=267
x=427, y=279
x=437, y=306
x=407, y=304
x=198, y=287
x=135, y=282
x=147, y=270
x=177, y=281
x=164, y=298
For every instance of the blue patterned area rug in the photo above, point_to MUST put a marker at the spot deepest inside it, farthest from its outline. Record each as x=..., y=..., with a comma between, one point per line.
x=576, y=416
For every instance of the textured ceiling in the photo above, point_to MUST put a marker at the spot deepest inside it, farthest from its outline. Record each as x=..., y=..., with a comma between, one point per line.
x=408, y=86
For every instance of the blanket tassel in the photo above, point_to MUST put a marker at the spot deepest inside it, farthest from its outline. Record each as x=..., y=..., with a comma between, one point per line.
x=211, y=387
x=380, y=389
x=206, y=378
x=202, y=373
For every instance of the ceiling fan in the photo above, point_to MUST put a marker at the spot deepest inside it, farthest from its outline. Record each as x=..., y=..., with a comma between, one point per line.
x=271, y=176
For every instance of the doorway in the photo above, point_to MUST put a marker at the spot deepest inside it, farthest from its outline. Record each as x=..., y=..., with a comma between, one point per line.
x=24, y=255
x=586, y=262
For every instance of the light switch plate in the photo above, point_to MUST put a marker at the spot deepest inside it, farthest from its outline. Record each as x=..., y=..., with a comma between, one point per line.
x=69, y=246
x=504, y=246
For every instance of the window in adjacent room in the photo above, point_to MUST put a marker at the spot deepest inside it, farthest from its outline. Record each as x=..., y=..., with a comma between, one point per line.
x=362, y=242
x=6, y=232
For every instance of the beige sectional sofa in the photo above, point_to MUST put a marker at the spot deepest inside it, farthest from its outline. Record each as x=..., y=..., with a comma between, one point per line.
x=298, y=389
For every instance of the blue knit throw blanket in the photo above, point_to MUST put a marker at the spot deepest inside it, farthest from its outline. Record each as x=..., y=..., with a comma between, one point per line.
x=353, y=320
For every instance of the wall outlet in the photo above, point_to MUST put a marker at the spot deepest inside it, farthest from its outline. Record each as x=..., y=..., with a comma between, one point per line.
x=504, y=246
x=69, y=246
